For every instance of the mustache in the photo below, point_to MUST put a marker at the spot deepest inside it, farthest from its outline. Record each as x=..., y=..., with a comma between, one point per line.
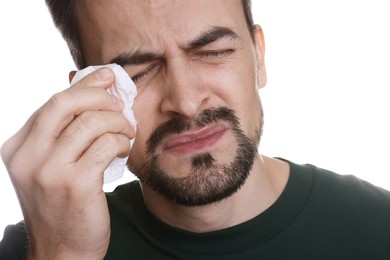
x=180, y=125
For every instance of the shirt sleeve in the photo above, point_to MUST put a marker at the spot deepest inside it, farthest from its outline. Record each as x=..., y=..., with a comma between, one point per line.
x=14, y=244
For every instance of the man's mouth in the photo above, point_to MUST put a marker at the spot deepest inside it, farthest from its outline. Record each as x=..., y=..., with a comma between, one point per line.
x=194, y=141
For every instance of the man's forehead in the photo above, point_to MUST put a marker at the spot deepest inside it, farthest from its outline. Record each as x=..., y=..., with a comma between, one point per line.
x=115, y=26
x=122, y=8
x=151, y=9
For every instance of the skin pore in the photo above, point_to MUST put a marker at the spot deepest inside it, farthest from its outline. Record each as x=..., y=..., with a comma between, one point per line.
x=183, y=67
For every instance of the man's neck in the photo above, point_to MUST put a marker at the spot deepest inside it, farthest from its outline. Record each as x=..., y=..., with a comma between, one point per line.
x=262, y=188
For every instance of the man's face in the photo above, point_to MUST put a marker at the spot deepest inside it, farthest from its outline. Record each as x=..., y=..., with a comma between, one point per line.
x=198, y=111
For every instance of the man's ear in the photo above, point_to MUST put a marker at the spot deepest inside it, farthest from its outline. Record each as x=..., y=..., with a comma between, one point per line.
x=260, y=53
x=71, y=75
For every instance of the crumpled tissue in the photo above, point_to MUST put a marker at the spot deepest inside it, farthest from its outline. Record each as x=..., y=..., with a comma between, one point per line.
x=125, y=89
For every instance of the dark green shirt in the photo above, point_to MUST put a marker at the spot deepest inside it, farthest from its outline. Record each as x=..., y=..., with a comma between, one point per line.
x=319, y=215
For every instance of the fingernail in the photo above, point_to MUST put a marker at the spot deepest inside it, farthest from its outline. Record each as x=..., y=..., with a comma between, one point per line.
x=103, y=74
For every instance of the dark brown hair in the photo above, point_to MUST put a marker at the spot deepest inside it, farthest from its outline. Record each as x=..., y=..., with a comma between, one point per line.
x=64, y=18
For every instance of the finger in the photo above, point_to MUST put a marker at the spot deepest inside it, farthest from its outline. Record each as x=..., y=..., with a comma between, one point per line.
x=102, y=78
x=61, y=102
x=88, y=127
x=101, y=153
x=47, y=123
x=64, y=107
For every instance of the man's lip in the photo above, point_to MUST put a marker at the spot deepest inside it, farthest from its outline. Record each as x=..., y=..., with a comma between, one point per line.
x=194, y=140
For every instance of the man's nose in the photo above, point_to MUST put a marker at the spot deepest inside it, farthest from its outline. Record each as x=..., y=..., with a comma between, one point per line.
x=185, y=93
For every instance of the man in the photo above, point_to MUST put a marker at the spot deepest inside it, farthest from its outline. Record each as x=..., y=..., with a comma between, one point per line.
x=204, y=192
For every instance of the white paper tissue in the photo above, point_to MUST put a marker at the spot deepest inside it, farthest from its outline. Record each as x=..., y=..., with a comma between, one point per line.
x=125, y=89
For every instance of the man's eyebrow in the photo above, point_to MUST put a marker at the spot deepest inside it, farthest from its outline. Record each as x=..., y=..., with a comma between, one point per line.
x=136, y=58
x=207, y=37
x=213, y=35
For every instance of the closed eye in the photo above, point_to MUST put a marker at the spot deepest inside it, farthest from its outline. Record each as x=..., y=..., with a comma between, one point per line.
x=148, y=72
x=214, y=54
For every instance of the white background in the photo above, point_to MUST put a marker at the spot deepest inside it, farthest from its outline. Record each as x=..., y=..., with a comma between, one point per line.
x=326, y=102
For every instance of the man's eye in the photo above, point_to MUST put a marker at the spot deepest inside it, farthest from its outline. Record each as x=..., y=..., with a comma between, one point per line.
x=149, y=71
x=215, y=54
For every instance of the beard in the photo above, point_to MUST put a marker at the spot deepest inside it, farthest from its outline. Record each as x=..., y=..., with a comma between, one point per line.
x=208, y=181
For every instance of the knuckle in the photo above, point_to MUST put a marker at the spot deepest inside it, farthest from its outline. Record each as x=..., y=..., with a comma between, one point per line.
x=59, y=100
x=105, y=149
x=91, y=121
x=13, y=167
x=16, y=168
x=5, y=151
x=107, y=142
x=117, y=145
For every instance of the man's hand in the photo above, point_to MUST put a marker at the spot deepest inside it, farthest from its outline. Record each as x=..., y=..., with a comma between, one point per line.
x=56, y=163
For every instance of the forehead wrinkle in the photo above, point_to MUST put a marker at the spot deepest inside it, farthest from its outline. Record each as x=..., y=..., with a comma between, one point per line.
x=143, y=47
x=98, y=34
x=111, y=43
